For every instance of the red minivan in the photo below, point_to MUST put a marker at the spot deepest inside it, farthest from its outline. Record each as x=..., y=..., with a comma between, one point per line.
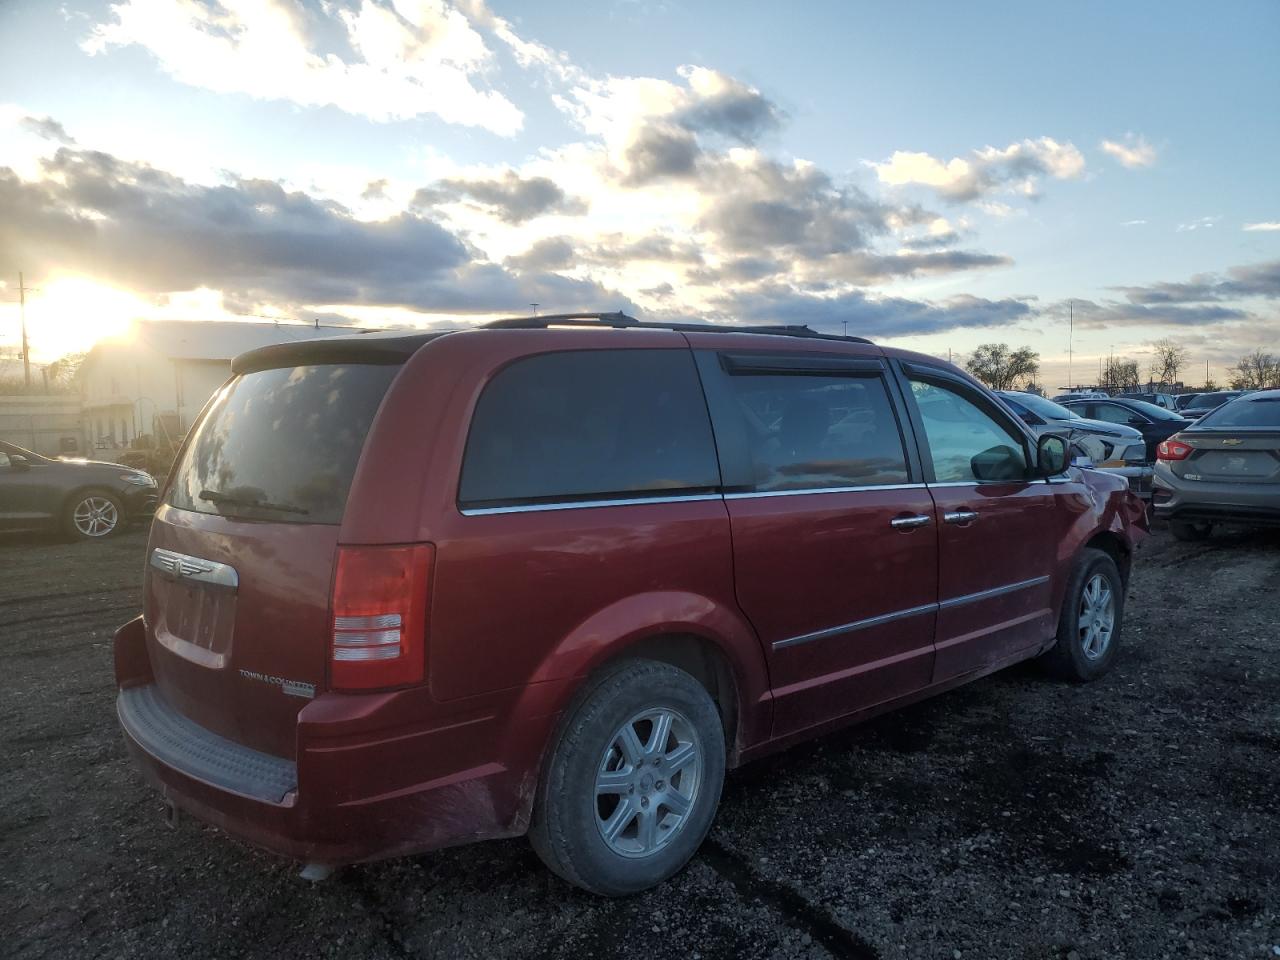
x=556, y=574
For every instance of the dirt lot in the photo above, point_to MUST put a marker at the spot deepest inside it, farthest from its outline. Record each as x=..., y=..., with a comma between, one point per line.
x=1138, y=817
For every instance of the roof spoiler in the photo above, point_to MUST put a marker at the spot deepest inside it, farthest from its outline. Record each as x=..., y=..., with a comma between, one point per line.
x=370, y=348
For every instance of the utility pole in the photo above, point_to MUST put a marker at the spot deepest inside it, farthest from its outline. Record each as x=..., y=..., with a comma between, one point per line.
x=1071, y=325
x=535, y=308
x=22, y=312
x=844, y=328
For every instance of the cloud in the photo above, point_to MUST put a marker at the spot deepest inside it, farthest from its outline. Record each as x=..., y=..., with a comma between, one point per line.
x=1133, y=223
x=511, y=198
x=1200, y=223
x=1204, y=299
x=1130, y=151
x=549, y=253
x=255, y=241
x=46, y=128
x=1265, y=226
x=660, y=151
x=1242, y=282
x=876, y=317
x=720, y=104
x=385, y=63
x=1017, y=168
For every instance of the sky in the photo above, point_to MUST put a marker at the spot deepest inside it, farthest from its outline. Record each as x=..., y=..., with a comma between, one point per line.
x=929, y=175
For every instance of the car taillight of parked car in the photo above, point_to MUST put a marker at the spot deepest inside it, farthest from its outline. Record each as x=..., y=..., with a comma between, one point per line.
x=380, y=607
x=1173, y=450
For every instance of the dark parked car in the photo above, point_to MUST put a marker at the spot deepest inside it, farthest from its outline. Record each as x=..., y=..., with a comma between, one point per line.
x=1223, y=469
x=1207, y=402
x=1165, y=400
x=1154, y=423
x=446, y=587
x=1182, y=401
x=86, y=499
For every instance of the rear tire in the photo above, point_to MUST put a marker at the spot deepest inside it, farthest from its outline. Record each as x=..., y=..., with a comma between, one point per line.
x=93, y=515
x=1190, y=532
x=618, y=812
x=1089, y=625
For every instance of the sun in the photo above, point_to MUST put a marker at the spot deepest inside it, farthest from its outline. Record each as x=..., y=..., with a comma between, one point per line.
x=69, y=314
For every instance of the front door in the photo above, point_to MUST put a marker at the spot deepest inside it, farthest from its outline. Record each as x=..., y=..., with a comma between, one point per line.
x=834, y=542
x=997, y=528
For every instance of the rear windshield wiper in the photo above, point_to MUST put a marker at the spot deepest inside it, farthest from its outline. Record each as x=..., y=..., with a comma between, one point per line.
x=213, y=496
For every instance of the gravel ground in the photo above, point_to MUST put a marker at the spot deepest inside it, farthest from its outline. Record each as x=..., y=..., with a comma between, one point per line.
x=1136, y=817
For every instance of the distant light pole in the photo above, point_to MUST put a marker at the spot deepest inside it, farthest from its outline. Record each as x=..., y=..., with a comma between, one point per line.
x=844, y=328
x=534, y=306
x=1071, y=323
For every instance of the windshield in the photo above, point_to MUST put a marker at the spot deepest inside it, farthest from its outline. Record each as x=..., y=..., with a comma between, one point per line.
x=1043, y=406
x=1245, y=412
x=13, y=450
x=281, y=444
x=1153, y=411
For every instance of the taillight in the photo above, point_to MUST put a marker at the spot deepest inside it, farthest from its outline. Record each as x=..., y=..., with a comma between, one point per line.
x=380, y=616
x=1173, y=450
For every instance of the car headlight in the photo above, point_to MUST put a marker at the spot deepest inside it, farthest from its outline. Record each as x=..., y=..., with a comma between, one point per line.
x=139, y=479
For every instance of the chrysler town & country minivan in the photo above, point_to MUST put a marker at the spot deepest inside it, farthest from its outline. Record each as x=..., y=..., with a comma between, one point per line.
x=555, y=575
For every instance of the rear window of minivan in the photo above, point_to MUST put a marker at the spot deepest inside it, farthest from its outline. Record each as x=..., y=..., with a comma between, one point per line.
x=281, y=444
x=589, y=425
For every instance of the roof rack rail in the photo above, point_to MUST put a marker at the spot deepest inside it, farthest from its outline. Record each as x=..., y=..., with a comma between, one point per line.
x=620, y=320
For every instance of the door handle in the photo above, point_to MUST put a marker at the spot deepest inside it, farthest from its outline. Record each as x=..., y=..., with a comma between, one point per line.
x=910, y=521
x=960, y=516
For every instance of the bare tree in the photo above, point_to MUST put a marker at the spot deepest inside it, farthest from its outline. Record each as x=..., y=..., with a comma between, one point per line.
x=1169, y=358
x=1001, y=368
x=1120, y=374
x=1256, y=371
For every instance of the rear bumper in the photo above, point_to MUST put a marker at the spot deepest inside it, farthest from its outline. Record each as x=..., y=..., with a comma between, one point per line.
x=1194, y=501
x=373, y=778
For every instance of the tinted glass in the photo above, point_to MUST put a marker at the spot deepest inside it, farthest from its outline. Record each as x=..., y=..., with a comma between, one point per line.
x=1209, y=400
x=281, y=445
x=590, y=424
x=816, y=432
x=1248, y=412
x=1153, y=412
x=1044, y=407
x=1113, y=413
x=966, y=443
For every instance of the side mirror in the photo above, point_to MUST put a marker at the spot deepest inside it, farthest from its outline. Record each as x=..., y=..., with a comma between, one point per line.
x=19, y=463
x=1136, y=422
x=1052, y=455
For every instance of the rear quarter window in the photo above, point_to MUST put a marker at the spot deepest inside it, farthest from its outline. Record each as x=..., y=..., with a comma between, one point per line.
x=591, y=424
x=281, y=444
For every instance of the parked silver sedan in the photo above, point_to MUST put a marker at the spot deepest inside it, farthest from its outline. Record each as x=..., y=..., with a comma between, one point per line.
x=1113, y=447
x=1223, y=469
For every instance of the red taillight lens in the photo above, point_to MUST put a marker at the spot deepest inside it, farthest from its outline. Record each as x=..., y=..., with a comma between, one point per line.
x=1173, y=450
x=380, y=616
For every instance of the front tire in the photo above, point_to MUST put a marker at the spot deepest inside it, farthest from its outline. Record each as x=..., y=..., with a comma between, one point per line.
x=1190, y=532
x=632, y=782
x=93, y=515
x=1089, y=625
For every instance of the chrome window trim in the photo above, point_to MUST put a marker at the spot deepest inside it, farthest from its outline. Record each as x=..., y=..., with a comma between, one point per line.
x=856, y=625
x=909, y=612
x=585, y=504
x=993, y=592
x=754, y=494
x=182, y=566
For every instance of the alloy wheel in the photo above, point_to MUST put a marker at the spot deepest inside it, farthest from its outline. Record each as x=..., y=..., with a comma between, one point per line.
x=1097, y=620
x=95, y=516
x=647, y=782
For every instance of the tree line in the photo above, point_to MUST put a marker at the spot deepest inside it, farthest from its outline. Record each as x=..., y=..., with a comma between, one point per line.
x=1002, y=367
